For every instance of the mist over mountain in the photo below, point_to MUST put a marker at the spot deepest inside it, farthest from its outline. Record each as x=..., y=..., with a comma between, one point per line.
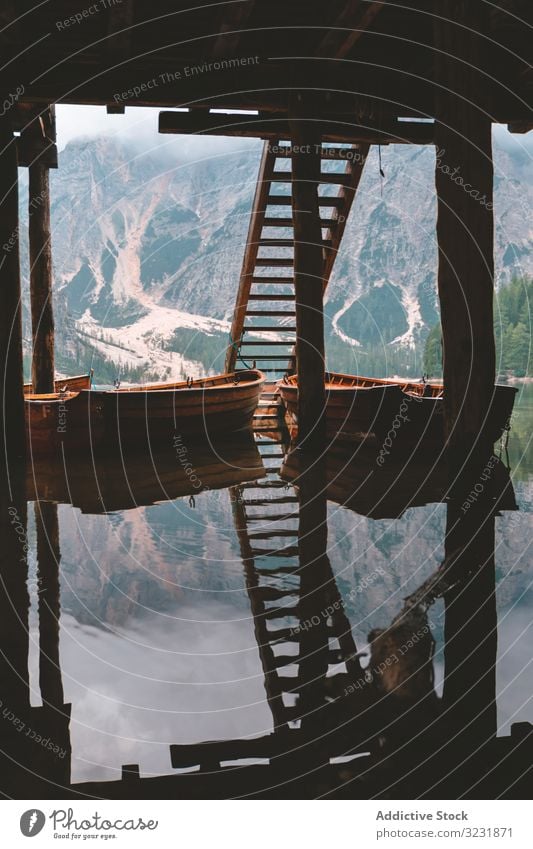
x=148, y=245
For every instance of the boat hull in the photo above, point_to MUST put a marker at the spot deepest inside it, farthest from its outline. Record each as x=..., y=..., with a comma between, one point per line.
x=73, y=421
x=352, y=412
x=426, y=416
x=160, y=416
x=156, y=415
x=411, y=415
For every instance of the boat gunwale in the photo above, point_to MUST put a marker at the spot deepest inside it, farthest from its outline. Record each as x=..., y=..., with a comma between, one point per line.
x=53, y=397
x=88, y=375
x=189, y=389
x=410, y=387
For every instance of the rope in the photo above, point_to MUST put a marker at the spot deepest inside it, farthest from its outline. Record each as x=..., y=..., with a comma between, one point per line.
x=236, y=347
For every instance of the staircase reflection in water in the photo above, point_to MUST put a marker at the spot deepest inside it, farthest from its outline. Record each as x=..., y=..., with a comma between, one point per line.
x=347, y=720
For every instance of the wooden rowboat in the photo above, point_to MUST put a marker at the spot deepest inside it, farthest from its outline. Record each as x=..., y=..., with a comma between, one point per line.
x=67, y=384
x=356, y=408
x=361, y=406
x=159, y=412
x=426, y=414
x=156, y=413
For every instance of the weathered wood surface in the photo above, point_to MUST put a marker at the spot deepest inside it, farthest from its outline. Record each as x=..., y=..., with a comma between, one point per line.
x=42, y=314
x=11, y=379
x=465, y=221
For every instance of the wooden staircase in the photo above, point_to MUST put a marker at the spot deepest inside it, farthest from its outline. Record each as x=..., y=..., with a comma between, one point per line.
x=264, y=321
x=266, y=516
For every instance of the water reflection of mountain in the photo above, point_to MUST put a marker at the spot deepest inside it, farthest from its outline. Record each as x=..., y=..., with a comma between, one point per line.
x=186, y=621
x=117, y=568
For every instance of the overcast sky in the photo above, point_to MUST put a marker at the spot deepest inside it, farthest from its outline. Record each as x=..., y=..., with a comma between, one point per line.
x=137, y=124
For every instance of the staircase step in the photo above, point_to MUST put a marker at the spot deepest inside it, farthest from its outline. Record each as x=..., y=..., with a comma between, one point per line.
x=281, y=177
x=271, y=297
x=280, y=660
x=270, y=329
x=277, y=222
x=273, y=281
x=247, y=343
x=279, y=200
x=269, y=517
x=336, y=178
x=325, y=223
x=331, y=177
x=282, y=532
x=287, y=551
x=274, y=262
x=281, y=612
x=283, y=635
x=287, y=313
x=273, y=571
x=266, y=593
x=275, y=243
x=286, y=200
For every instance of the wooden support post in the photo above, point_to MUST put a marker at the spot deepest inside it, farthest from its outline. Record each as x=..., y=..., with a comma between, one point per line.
x=308, y=278
x=42, y=315
x=316, y=579
x=464, y=182
x=471, y=629
x=12, y=432
x=48, y=559
x=465, y=227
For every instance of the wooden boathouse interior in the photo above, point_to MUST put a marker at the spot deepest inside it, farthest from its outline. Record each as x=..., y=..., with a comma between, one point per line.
x=318, y=83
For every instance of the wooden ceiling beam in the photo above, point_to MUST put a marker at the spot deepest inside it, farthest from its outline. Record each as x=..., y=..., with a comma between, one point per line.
x=356, y=17
x=234, y=19
x=261, y=126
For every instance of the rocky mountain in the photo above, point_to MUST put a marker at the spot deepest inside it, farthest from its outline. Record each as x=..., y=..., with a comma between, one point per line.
x=148, y=247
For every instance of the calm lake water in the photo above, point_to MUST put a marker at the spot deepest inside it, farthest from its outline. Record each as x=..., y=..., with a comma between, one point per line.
x=158, y=643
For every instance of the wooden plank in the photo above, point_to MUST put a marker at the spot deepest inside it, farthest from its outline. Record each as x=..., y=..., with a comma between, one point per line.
x=340, y=129
x=42, y=315
x=356, y=17
x=234, y=17
x=48, y=559
x=12, y=438
x=286, y=200
x=465, y=232
x=275, y=243
x=273, y=281
x=258, y=343
x=270, y=329
x=465, y=225
x=282, y=313
x=273, y=262
x=271, y=297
